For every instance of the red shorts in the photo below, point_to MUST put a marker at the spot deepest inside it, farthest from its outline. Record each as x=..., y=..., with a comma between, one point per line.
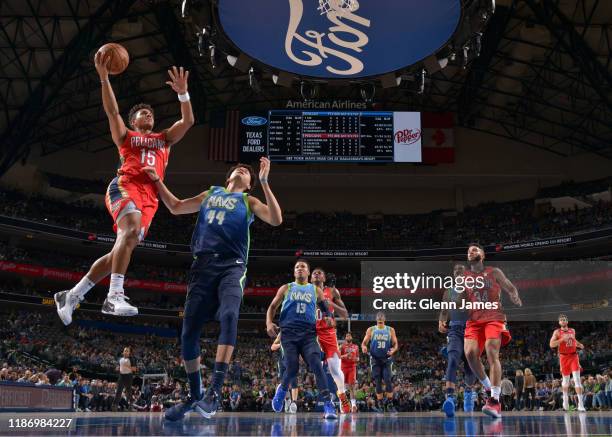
x=350, y=374
x=121, y=191
x=569, y=363
x=328, y=342
x=482, y=331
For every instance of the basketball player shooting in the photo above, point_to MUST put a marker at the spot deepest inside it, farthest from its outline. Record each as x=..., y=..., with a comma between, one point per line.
x=131, y=197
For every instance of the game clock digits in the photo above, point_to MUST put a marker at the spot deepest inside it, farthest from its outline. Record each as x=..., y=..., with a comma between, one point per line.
x=331, y=136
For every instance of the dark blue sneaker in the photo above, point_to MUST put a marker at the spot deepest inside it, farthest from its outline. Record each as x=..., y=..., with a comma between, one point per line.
x=179, y=410
x=207, y=406
x=279, y=399
x=329, y=411
x=449, y=406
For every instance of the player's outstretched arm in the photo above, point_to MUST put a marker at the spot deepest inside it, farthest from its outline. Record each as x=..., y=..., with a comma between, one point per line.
x=507, y=286
x=395, y=344
x=117, y=126
x=366, y=341
x=174, y=205
x=271, y=327
x=178, y=82
x=338, y=304
x=270, y=212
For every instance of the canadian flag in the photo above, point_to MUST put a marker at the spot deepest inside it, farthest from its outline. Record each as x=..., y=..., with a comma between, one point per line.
x=437, y=137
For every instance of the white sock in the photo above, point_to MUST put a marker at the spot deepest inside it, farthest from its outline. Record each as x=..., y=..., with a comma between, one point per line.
x=116, y=284
x=83, y=286
x=495, y=392
x=565, y=399
x=580, y=401
x=353, y=402
x=486, y=383
x=335, y=369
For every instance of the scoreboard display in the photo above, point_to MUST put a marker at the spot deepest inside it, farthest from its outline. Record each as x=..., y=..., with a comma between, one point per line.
x=333, y=136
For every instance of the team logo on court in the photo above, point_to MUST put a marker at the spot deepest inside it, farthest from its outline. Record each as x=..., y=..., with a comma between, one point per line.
x=339, y=38
x=407, y=136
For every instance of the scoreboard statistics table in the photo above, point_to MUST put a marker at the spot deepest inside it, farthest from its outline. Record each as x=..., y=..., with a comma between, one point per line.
x=338, y=136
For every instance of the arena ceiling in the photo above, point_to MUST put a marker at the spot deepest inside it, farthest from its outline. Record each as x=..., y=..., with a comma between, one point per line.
x=543, y=77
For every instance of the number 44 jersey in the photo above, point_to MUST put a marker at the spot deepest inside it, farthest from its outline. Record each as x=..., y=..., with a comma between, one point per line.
x=223, y=226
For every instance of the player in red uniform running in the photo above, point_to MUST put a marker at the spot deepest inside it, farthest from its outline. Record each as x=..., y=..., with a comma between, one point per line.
x=349, y=353
x=486, y=329
x=564, y=338
x=327, y=334
x=131, y=197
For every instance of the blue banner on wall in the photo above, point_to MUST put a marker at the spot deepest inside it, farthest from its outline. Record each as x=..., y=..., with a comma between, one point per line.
x=339, y=38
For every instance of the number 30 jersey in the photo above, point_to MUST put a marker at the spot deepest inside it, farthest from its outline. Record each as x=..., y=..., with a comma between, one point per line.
x=299, y=307
x=223, y=225
x=143, y=150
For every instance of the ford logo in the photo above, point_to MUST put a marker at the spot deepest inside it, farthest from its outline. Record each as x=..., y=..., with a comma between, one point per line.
x=339, y=38
x=254, y=121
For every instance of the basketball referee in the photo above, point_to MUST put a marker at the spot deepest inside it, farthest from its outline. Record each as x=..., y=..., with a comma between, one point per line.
x=126, y=376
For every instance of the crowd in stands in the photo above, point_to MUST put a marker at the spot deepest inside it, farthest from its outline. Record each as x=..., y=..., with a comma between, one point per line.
x=86, y=359
x=490, y=223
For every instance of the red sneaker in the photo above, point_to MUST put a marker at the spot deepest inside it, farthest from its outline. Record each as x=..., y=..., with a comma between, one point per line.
x=492, y=408
x=345, y=404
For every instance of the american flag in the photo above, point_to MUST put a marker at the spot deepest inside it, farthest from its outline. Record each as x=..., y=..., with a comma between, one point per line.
x=224, y=135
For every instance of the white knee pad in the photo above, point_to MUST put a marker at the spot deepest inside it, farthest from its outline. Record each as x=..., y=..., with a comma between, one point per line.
x=565, y=382
x=576, y=376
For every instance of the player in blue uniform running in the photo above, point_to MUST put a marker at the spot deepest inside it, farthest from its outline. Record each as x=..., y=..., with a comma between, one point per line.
x=382, y=345
x=297, y=321
x=454, y=348
x=220, y=246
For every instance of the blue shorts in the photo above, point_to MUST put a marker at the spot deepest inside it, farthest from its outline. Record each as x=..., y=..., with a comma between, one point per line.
x=300, y=342
x=213, y=286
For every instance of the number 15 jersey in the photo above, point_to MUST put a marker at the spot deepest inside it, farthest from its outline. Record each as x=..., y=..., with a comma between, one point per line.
x=143, y=150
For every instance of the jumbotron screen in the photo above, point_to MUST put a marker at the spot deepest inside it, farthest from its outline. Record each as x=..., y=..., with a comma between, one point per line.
x=334, y=136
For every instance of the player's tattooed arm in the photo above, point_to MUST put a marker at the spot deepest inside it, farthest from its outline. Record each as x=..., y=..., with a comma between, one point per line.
x=394, y=342
x=175, y=206
x=322, y=304
x=366, y=341
x=271, y=327
x=270, y=212
x=178, y=83
x=109, y=102
x=338, y=304
x=507, y=286
x=555, y=340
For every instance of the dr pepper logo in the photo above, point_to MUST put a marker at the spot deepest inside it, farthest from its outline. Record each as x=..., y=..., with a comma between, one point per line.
x=407, y=136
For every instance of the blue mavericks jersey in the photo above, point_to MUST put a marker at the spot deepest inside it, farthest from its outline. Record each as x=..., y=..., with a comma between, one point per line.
x=299, y=307
x=457, y=317
x=380, y=342
x=223, y=225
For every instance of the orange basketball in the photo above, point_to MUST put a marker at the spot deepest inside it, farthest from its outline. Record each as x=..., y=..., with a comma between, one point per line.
x=119, y=57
